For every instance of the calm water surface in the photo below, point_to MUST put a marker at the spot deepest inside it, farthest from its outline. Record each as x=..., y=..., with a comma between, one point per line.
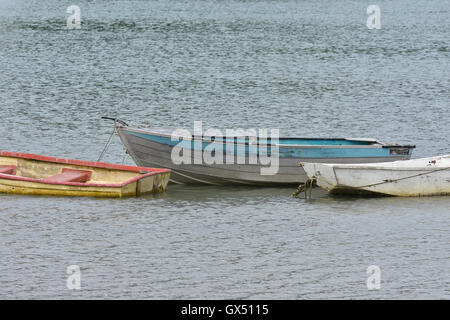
x=309, y=68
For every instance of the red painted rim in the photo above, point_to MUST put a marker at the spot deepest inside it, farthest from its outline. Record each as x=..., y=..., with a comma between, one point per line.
x=103, y=165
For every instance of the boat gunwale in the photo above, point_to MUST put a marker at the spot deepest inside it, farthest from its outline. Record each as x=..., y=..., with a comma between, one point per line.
x=431, y=169
x=376, y=166
x=100, y=165
x=376, y=143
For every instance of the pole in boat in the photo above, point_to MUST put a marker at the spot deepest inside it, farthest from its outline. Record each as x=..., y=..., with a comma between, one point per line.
x=108, y=143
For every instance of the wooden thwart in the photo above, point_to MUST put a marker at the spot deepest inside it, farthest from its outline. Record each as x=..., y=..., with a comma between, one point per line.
x=70, y=175
x=8, y=170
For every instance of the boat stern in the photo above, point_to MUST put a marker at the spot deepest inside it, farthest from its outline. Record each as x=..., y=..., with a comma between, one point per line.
x=153, y=184
x=400, y=152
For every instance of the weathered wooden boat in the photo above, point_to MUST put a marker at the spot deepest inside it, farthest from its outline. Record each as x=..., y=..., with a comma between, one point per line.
x=154, y=147
x=418, y=177
x=22, y=173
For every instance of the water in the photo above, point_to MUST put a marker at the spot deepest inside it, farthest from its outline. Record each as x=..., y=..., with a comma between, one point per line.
x=309, y=68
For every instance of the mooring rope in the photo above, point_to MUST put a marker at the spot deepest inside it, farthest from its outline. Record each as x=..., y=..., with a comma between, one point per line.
x=108, y=143
x=304, y=188
x=399, y=179
x=125, y=151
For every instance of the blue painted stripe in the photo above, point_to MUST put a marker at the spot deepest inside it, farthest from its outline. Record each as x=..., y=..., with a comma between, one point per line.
x=284, y=152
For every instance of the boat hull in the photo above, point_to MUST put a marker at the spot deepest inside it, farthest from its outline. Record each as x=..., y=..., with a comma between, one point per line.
x=149, y=149
x=38, y=175
x=154, y=184
x=425, y=178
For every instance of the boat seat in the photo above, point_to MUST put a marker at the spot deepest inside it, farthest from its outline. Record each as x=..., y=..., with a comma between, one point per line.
x=70, y=175
x=8, y=170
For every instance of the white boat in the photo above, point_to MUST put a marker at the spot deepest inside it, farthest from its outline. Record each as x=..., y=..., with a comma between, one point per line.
x=408, y=178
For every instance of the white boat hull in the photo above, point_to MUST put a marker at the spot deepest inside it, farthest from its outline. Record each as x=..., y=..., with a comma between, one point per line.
x=410, y=178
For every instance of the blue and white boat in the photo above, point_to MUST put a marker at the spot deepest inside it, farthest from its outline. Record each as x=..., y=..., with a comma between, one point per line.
x=220, y=160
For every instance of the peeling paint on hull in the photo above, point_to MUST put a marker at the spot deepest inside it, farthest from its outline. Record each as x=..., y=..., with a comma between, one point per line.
x=412, y=178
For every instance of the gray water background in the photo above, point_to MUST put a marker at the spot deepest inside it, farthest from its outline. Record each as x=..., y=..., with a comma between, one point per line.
x=308, y=68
